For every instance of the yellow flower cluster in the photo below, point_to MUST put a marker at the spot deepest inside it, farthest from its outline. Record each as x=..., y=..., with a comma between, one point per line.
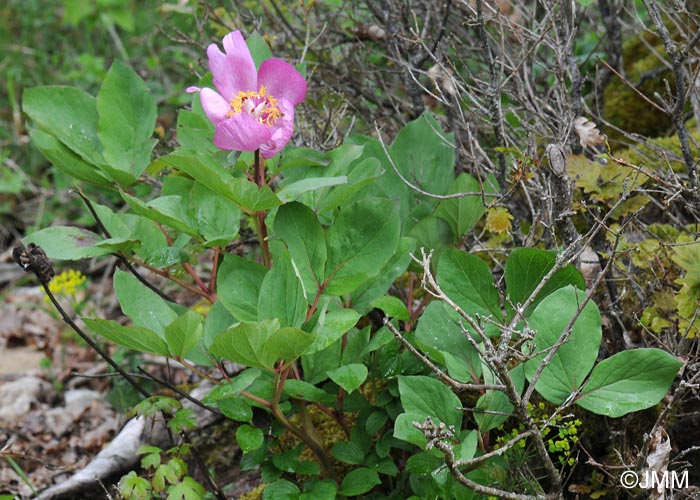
x=67, y=282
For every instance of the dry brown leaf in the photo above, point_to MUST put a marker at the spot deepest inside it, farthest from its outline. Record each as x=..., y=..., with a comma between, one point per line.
x=588, y=133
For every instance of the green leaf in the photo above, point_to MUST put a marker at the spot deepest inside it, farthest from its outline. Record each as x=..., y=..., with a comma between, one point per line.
x=362, y=239
x=166, y=210
x=320, y=490
x=238, y=284
x=259, y=49
x=247, y=343
x=233, y=387
x=298, y=226
x=439, y=334
x=291, y=191
x=348, y=452
x=302, y=157
x=195, y=132
x=525, y=268
x=467, y=280
x=333, y=326
x=392, y=307
x=359, y=481
x=629, y=381
x=573, y=361
x=66, y=160
x=70, y=243
x=360, y=177
x=349, y=377
x=187, y=489
x=281, y=490
x=249, y=438
x=289, y=343
x=141, y=304
x=184, y=333
x=131, y=337
x=362, y=297
x=300, y=389
x=432, y=233
x=282, y=293
x=70, y=115
x=423, y=397
x=424, y=156
x=212, y=175
x=463, y=213
x=127, y=117
x=497, y=401
x=216, y=218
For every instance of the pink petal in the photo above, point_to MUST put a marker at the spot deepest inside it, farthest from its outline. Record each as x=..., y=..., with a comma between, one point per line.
x=281, y=131
x=215, y=106
x=282, y=80
x=234, y=70
x=192, y=89
x=241, y=133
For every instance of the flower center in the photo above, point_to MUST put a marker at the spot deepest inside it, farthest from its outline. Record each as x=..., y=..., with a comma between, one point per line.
x=261, y=105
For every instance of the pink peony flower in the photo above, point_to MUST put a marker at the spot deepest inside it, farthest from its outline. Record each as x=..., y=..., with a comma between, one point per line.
x=253, y=109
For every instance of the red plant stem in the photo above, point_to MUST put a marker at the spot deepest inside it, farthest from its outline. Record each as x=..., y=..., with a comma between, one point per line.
x=255, y=398
x=259, y=166
x=313, y=307
x=214, y=270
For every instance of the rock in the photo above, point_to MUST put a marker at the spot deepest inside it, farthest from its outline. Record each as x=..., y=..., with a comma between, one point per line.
x=19, y=396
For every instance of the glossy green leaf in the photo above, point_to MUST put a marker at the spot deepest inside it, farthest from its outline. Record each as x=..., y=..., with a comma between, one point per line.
x=302, y=157
x=348, y=452
x=300, y=389
x=166, y=210
x=238, y=284
x=349, y=377
x=467, y=280
x=184, y=333
x=298, y=226
x=291, y=192
x=463, y=213
x=573, y=361
x=423, y=397
x=66, y=160
x=68, y=242
x=131, y=337
x=142, y=305
x=320, y=490
x=392, y=307
x=629, y=381
x=289, y=343
x=195, y=132
x=70, y=115
x=439, y=334
x=216, y=218
x=362, y=239
x=359, y=481
x=281, y=490
x=247, y=344
x=333, y=326
x=127, y=117
x=282, y=293
x=249, y=438
x=525, y=268
x=212, y=175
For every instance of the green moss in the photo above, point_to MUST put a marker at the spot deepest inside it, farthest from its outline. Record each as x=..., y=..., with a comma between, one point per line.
x=623, y=107
x=660, y=153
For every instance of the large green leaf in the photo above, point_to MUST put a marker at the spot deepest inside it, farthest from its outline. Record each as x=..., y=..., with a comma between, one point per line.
x=291, y=191
x=166, y=210
x=333, y=325
x=70, y=115
x=184, y=333
x=127, y=117
x=629, y=381
x=424, y=156
x=67, y=161
x=423, y=397
x=349, y=377
x=298, y=226
x=525, y=268
x=573, y=361
x=467, y=280
x=246, y=343
x=195, y=132
x=362, y=239
x=131, y=337
x=207, y=171
x=141, y=304
x=70, y=243
x=463, y=213
x=359, y=481
x=495, y=404
x=238, y=285
x=282, y=294
x=216, y=218
x=439, y=334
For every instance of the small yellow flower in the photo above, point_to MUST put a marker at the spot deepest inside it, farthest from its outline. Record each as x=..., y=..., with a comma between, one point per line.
x=67, y=282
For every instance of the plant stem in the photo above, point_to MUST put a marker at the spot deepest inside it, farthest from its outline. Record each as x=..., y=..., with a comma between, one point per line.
x=259, y=166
